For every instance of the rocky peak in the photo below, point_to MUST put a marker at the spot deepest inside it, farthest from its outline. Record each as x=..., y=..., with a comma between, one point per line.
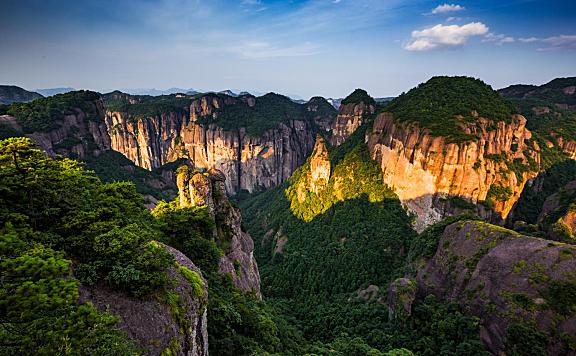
x=319, y=166
x=207, y=189
x=353, y=112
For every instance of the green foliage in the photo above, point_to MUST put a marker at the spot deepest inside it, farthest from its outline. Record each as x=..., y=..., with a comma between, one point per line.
x=561, y=297
x=269, y=110
x=530, y=203
x=499, y=193
x=103, y=227
x=349, y=236
x=45, y=114
x=358, y=96
x=524, y=339
x=194, y=279
x=445, y=104
x=7, y=131
x=142, y=106
x=111, y=166
x=38, y=303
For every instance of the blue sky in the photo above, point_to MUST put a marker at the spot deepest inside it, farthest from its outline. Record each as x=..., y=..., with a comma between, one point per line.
x=298, y=47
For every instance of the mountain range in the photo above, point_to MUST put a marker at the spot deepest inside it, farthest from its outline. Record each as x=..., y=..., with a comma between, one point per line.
x=441, y=221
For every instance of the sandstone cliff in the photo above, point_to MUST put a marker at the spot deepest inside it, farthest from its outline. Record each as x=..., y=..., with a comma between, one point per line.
x=174, y=327
x=425, y=171
x=510, y=281
x=249, y=161
x=208, y=190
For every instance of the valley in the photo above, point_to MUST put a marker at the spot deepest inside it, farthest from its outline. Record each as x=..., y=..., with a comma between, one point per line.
x=438, y=222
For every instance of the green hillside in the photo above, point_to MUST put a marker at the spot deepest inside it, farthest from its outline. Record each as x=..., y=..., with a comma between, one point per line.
x=444, y=104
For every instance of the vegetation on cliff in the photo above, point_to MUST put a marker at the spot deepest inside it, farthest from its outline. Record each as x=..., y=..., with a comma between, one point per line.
x=45, y=114
x=333, y=244
x=358, y=96
x=444, y=106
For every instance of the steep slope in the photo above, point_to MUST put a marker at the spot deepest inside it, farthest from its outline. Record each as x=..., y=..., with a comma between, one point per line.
x=453, y=137
x=551, y=113
x=522, y=288
x=207, y=190
x=328, y=243
x=352, y=113
x=70, y=124
x=12, y=94
x=256, y=142
x=68, y=239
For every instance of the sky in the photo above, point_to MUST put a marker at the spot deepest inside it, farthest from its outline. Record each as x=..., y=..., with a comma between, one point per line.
x=300, y=48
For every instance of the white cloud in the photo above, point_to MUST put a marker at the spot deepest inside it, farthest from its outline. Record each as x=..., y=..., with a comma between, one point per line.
x=336, y=1
x=441, y=36
x=444, y=8
x=561, y=42
x=529, y=39
x=499, y=39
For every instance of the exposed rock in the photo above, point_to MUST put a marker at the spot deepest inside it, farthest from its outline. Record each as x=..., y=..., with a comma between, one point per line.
x=150, y=323
x=350, y=117
x=504, y=277
x=76, y=135
x=369, y=293
x=208, y=189
x=248, y=162
x=401, y=295
x=424, y=170
x=319, y=166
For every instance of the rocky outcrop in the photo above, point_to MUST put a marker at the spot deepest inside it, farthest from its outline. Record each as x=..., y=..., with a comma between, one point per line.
x=207, y=189
x=350, y=117
x=426, y=170
x=319, y=166
x=505, y=279
x=152, y=323
x=401, y=295
x=249, y=162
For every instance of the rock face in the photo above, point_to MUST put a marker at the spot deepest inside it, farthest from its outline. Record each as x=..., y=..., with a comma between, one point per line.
x=76, y=136
x=505, y=278
x=319, y=166
x=208, y=189
x=249, y=162
x=151, y=323
x=401, y=295
x=425, y=170
x=350, y=117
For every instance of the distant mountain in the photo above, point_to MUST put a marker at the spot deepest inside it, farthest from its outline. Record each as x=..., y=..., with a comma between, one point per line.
x=54, y=91
x=335, y=102
x=158, y=92
x=12, y=94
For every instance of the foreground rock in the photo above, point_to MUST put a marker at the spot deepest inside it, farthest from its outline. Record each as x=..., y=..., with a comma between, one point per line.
x=507, y=280
x=208, y=190
x=175, y=321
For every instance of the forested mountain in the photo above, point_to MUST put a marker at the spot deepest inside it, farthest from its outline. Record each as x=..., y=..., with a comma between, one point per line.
x=244, y=225
x=12, y=94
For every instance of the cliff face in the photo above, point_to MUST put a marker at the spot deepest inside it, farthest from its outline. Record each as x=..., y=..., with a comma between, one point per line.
x=208, y=190
x=425, y=170
x=506, y=279
x=153, y=324
x=350, y=117
x=249, y=162
x=75, y=136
